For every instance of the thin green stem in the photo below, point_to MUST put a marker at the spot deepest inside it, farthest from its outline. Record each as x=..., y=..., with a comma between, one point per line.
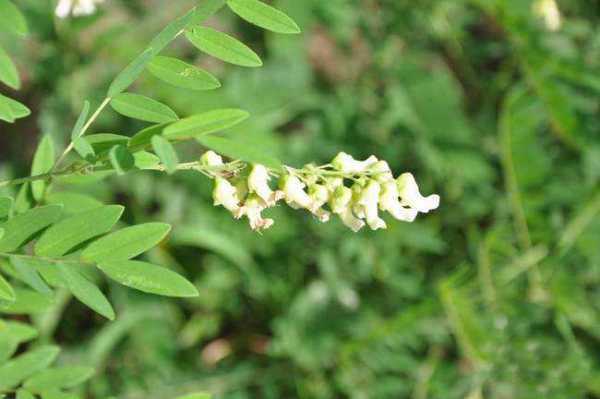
x=83, y=131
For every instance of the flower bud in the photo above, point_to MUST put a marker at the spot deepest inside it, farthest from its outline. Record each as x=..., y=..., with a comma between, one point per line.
x=258, y=182
x=210, y=158
x=340, y=200
x=410, y=195
x=319, y=196
x=369, y=200
x=226, y=195
x=548, y=10
x=388, y=201
x=333, y=183
x=346, y=164
x=294, y=194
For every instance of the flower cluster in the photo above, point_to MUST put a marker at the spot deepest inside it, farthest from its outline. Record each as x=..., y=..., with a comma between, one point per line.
x=549, y=11
x=372, y=188
x=77, y=7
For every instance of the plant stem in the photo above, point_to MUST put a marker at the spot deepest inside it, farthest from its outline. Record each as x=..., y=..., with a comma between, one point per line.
x=83, y=130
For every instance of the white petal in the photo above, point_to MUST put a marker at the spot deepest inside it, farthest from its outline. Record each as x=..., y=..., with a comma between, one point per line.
x=369, y=200
x=258, y=182
x=211, y=158
x=226, y=195
x=294, y=192
x=63, y=8
x=410, y=195
x=347, y=164
x=354, y=223
x=388, y=202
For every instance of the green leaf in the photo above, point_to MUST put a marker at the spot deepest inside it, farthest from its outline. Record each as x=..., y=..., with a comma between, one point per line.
x=5, y=207
x=20, y=332
x=263, y=15
x=22, y=367
x=121, y=159
x=103, y=142
x=240, y=150
x=143, y=108
x=136, y=67
x=11, y=110
x=23, y=394
x=198, y=395
x=67, y=234
x=166, y=153
x=142, y=139
x=73, y=202
x=86, y=291
x=84, y=149
x=43, y=161
x=58, y=378
x=7, y=293
x=181, y=74
x=146, y=160
x=12, y=19
x=27, y=302
x=148, y=278
x=205, y=123
x=8, y=71
x=30, y=276
x=126, y=243
x=77, y=129
x=224, y=47
x=21, y=228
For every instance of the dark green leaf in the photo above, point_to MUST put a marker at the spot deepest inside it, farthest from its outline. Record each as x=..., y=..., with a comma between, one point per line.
x=21, y=228
x=86, y=291
x=103, y=142
x=263, y=15
x=5, y=207
x=84, y=149
x=224, y=47
x=67, y=234
x=30, y=276
x=205, y=123
x=22, y=367
x=148, y=278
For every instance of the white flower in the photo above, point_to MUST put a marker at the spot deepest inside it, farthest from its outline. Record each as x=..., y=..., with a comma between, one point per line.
x=369, y=201
x=76, y=7
x=346, y=164
x=293, y=190
x=388, y=202
x=410, y=195
x=381, y=172
x=253, y=208
x=319, y=195
x=210, y=158
x=225, y=194
x=548, y=10
x=351, y=221
x=258, y=182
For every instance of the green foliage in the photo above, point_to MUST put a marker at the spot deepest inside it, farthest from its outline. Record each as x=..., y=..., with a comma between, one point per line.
x=493, y=296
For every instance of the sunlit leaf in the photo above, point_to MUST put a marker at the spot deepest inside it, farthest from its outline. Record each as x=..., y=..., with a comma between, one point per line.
x=8, y=71
x=21, y=228
x=143, y=108
x=240, y=150
x=12, y=19
x=166, y=153
x=86, y=291
x=43, y=161
x=67, y=234
x=126, y=243
x=20, y=368
x=148, y=278
x=223, y=46
x=181, y=74
x=205, y=123
x=263, y=15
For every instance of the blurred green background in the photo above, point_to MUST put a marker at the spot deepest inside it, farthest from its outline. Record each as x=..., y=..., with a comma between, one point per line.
x=494, y=295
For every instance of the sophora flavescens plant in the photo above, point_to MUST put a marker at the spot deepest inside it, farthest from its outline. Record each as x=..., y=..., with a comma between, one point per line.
x=52, y=240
